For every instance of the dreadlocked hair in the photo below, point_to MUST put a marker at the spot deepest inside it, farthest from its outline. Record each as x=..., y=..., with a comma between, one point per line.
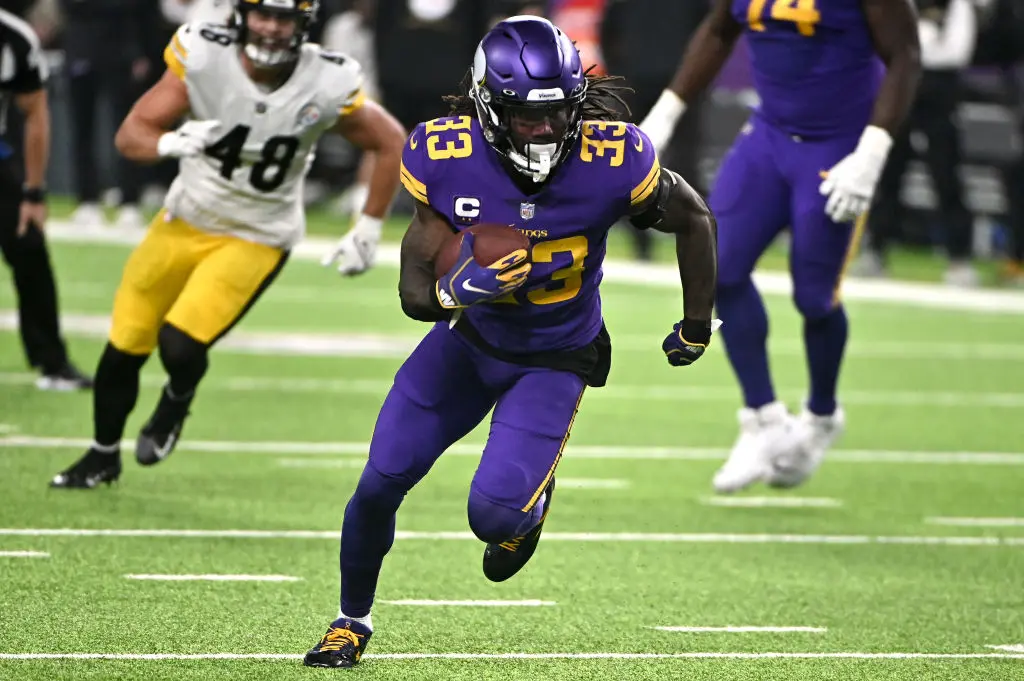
x=604, y=101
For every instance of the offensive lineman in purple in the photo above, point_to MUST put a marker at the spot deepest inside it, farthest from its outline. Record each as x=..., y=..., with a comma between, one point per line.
x=533, y=143
x=835, y=79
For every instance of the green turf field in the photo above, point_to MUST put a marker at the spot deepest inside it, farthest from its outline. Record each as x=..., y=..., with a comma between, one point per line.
x=889, y=567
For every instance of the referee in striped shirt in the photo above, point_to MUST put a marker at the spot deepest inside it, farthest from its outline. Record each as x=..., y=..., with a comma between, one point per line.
x=23, y=74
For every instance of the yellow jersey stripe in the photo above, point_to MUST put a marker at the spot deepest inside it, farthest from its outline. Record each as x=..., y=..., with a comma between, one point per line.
x=558, y=456
x=174, y=62
x=356, y=104
x=178, y=47
x=644, y=189
x=415, y=187
x=851, y=253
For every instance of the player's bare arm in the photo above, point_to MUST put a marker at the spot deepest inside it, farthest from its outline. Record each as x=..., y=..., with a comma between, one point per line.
x=685, y=214
x=373, y=129
x=850, y=184
x=420, y=247
x=704, y=58
x=155, y=113
x=893, y=25
x=36, y=110
x=676, y=208
x=34, y=107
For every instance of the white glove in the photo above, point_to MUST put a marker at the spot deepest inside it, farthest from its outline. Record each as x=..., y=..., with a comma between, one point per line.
x=188, y=140
x=661, y=121
x=357, y=250
x=850, y=184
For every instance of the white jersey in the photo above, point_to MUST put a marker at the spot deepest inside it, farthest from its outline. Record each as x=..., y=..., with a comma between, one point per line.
x=249, y=182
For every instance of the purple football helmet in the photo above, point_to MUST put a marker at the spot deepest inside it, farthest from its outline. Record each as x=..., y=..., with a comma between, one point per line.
x=528, y=87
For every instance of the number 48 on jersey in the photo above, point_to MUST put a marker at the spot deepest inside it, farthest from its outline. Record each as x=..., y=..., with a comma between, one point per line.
x=269, y=171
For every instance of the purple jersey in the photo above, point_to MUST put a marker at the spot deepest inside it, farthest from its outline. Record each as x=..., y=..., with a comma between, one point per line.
x=448, y=165
x=814, y=64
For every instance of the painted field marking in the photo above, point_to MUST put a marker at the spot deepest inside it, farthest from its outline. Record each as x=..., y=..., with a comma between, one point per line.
x=615, y=393
x=598, y=537
x=24, y=554
x=618, y=452
x=592, y=483
x=977, y=522
x=744, y=630
x=162, y=657
x=772, y=502
x=321, y=463
x=644, y=274
x=1015, y=648
x=472, y=604
x=214, y=578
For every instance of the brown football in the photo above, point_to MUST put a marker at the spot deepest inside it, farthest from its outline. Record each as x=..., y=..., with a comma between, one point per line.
x=491, y=242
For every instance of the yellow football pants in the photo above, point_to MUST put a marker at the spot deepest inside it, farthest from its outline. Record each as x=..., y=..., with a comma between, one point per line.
x=200, y=283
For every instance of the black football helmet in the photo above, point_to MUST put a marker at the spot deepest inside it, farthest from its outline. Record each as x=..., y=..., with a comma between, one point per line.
x=267, y=52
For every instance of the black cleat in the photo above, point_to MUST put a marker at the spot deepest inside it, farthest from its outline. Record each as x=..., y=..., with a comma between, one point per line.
x=92, y=469
x=64, y=379
x=341, y=646
x=158, y=437
x=501, y=561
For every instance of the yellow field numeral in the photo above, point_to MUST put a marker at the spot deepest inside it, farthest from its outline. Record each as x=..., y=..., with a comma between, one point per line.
x=570, y=276
x=461, y=147
x=591, y=146
x=803, y=13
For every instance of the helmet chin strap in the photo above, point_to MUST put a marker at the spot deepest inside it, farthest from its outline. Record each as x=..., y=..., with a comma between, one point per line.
x=537, y=161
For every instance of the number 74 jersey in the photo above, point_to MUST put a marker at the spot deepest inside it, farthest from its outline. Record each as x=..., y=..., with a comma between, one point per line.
x=249, y=181
x=448, y=165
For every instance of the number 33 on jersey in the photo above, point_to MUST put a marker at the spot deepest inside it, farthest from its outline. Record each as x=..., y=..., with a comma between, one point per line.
x=612, y=166
x=249, y=179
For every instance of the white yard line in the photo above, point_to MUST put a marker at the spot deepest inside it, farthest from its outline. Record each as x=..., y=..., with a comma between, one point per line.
x=592, y=483
x=977, y=522
x=885, y=292
x=322, y=463
x=163, y=657
x=472, y=604
x=960, y=401
x=24, y=554
x=612, y=452
x=214, y=578
x=390, y=345
x=586, y=537
x=744, y=630
x=1015, y=648
x=772, y=502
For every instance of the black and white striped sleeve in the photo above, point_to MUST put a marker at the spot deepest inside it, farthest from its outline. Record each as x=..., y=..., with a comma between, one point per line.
x=23, y=65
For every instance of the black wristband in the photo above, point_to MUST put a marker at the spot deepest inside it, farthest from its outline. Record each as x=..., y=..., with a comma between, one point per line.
x=696, y=330
x=33, y=194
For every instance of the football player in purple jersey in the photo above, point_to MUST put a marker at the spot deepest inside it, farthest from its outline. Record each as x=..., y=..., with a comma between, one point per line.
x=533, y=142
x=835, y=80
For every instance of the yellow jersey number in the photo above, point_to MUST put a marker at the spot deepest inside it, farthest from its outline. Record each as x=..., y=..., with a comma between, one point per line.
x=613, y=149
x=565, y=282
x=453, y=146
x=803, y=13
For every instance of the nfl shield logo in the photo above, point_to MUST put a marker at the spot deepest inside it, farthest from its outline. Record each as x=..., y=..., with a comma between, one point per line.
x=526, y=211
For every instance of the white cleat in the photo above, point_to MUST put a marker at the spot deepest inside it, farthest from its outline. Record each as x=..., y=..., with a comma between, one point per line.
x=764, y=433
x=814, y=436
x=88, y=215
x=129, y=218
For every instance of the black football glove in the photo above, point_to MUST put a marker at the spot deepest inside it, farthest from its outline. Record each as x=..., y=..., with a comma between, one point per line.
x=687, y=342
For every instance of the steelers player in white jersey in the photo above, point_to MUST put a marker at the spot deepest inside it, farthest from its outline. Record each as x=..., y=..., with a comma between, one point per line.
x=255, y=97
